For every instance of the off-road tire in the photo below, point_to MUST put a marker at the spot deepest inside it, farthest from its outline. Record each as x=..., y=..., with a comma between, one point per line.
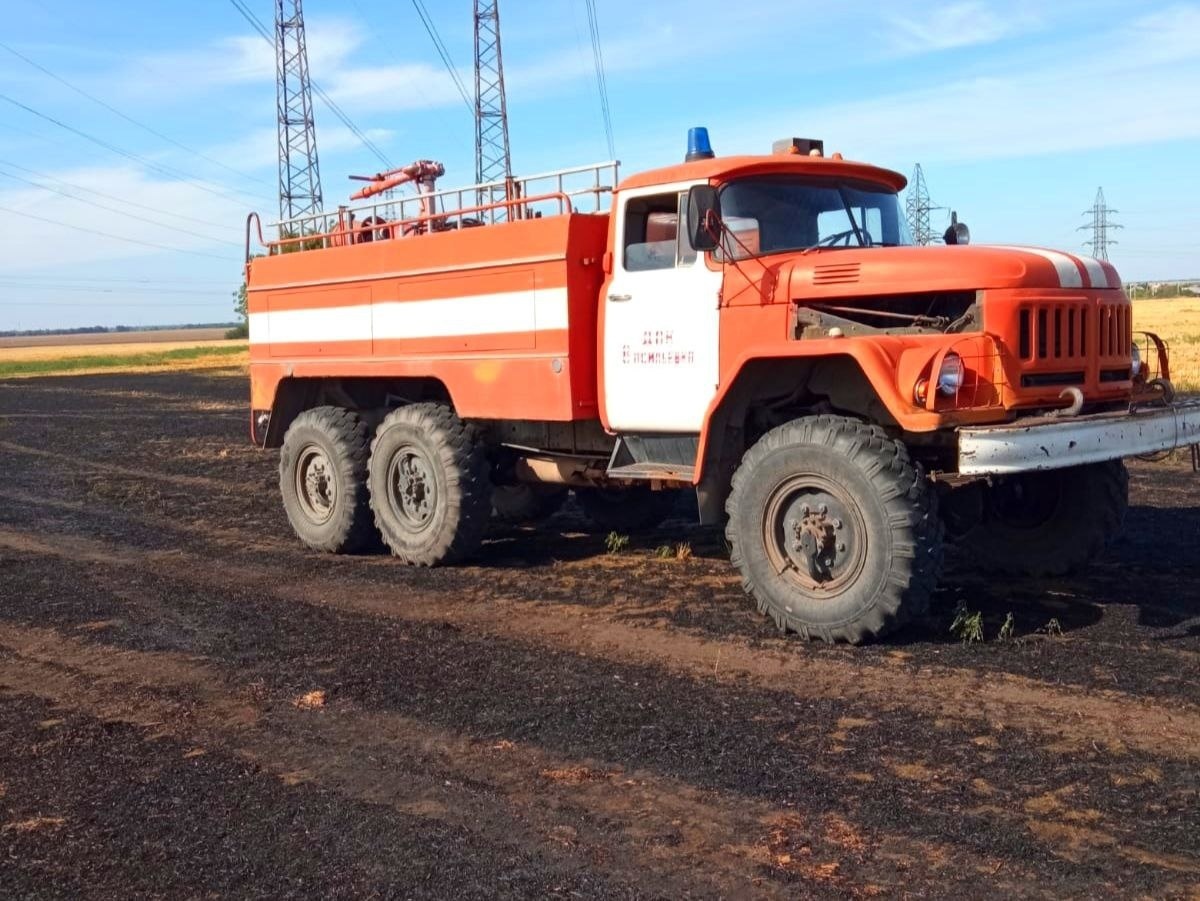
x=892, y=567
x=526, y=502
x=1084, y=510
x=442, y=461
x=336, y=441
x=626, y=509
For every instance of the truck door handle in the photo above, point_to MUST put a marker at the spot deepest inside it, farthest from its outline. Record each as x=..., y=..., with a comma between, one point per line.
x=620, y=298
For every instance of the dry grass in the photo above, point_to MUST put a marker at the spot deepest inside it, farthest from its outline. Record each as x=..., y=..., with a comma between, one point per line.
x=153, y=336
x=83, y=360
x=63, y=351
x=1177, y=321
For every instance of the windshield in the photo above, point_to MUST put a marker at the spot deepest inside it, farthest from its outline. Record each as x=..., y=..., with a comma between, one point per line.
x=772, y=214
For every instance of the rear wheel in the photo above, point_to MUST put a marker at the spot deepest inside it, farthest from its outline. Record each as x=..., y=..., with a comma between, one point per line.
x=429, y=485
x=322, y=477
x=834, y=529
x=626, y=509
x=1049, y=523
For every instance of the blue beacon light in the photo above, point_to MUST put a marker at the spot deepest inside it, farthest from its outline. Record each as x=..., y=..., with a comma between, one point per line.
x=699, y=147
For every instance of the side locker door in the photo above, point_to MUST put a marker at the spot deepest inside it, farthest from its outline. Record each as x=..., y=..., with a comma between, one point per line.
x=661, y=320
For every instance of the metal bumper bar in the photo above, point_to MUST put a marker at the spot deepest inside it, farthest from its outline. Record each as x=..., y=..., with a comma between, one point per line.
x=1058, y=443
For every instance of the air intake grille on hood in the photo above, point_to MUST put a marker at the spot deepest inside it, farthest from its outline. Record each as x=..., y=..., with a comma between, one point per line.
x=835, y=274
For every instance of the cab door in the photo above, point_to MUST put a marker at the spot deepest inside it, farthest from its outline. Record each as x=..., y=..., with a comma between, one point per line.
x=661, y=319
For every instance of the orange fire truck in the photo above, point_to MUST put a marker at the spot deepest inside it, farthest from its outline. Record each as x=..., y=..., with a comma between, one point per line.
x=758, y=330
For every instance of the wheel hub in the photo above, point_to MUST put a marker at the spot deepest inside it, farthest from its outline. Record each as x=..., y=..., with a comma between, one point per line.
x=413, y=489
x=316, y=486
x=815, y=535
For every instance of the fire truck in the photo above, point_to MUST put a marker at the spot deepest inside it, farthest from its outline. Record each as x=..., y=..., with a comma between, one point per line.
x=758, y=331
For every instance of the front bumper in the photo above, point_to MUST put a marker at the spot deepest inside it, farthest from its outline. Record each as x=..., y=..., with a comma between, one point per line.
x=1031, y=445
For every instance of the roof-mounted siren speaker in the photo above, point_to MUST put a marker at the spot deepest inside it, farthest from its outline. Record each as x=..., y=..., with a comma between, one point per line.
x=799, y=147
x=699, y=147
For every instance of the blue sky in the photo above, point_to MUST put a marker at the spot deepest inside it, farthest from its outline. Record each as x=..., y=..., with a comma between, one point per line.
x=1017, y=111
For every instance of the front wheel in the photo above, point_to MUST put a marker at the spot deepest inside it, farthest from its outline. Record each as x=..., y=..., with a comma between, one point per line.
x=834, y=529
x=1049, y=523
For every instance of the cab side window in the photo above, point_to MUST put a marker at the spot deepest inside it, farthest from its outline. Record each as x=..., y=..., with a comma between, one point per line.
x=652, y=234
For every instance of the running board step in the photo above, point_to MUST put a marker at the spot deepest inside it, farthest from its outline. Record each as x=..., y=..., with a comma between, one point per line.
x=667, y=471
x=668, y=457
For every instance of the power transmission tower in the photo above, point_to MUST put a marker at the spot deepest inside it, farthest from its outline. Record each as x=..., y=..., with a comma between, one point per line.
x=917, y=207
x=1099, y=226
x=492, y=159
x=299, y=176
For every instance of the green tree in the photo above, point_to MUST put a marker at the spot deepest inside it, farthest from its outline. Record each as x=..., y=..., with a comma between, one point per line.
x=242, y=329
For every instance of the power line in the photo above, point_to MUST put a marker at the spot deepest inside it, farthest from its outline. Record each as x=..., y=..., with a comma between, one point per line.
x=102, y=206
x=174, y=280
x=432, y=31
x=88, y=289
x=107, y=305
x=140, y=206
x=259, y=27
x=601, y=80
x=103, y=234
x=140, y=160
x=417, y=85
x=130, y=119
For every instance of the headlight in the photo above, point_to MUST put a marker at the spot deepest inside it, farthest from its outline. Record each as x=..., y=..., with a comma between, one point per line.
x=951, y=375
x=1137, y=361
x=949, y=380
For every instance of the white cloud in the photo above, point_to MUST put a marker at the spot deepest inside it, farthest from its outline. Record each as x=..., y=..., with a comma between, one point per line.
x=405, y=86
x=964, y=23
x=238, y=60
x=1133, y=85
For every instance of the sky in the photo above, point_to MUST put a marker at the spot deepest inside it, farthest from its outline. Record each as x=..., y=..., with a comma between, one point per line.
x=131, y=210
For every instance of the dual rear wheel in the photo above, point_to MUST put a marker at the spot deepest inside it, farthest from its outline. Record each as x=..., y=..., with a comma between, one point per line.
x=422, y=484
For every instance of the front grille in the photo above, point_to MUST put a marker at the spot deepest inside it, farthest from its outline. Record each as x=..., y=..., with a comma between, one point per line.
x=1116, y=336
x=1068, y=332
x=1047, y=379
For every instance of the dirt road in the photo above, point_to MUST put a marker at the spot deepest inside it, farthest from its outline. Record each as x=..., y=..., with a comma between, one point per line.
x=192, y=705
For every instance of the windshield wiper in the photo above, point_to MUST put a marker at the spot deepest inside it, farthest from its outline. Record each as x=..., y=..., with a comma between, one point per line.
x=850, y=213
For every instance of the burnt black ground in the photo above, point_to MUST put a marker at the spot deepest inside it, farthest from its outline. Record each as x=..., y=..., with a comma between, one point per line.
x=481, y=731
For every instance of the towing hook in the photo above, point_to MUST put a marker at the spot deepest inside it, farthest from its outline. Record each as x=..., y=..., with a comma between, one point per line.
x=1073, y=408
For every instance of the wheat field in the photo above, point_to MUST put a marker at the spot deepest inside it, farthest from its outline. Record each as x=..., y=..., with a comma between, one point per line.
x=1177, y=321
x=71, y=349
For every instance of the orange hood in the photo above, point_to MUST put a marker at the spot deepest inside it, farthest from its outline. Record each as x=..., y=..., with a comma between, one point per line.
x=902, y=270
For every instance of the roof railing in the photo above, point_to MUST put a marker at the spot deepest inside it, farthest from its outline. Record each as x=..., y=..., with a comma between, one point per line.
x=546, y=194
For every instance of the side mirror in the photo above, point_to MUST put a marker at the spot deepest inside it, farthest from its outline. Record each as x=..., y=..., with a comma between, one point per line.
x=957, y=233
x=703, y=218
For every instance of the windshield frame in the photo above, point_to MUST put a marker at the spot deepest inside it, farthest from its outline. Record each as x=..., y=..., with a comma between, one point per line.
x=857, y=234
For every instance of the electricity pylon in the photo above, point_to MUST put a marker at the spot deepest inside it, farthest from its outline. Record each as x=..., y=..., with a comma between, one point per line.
x=917, y=207
x=299, y=175
x=1099, y=226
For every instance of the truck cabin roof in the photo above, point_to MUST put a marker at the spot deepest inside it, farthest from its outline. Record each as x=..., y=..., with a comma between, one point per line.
x=724, y=168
